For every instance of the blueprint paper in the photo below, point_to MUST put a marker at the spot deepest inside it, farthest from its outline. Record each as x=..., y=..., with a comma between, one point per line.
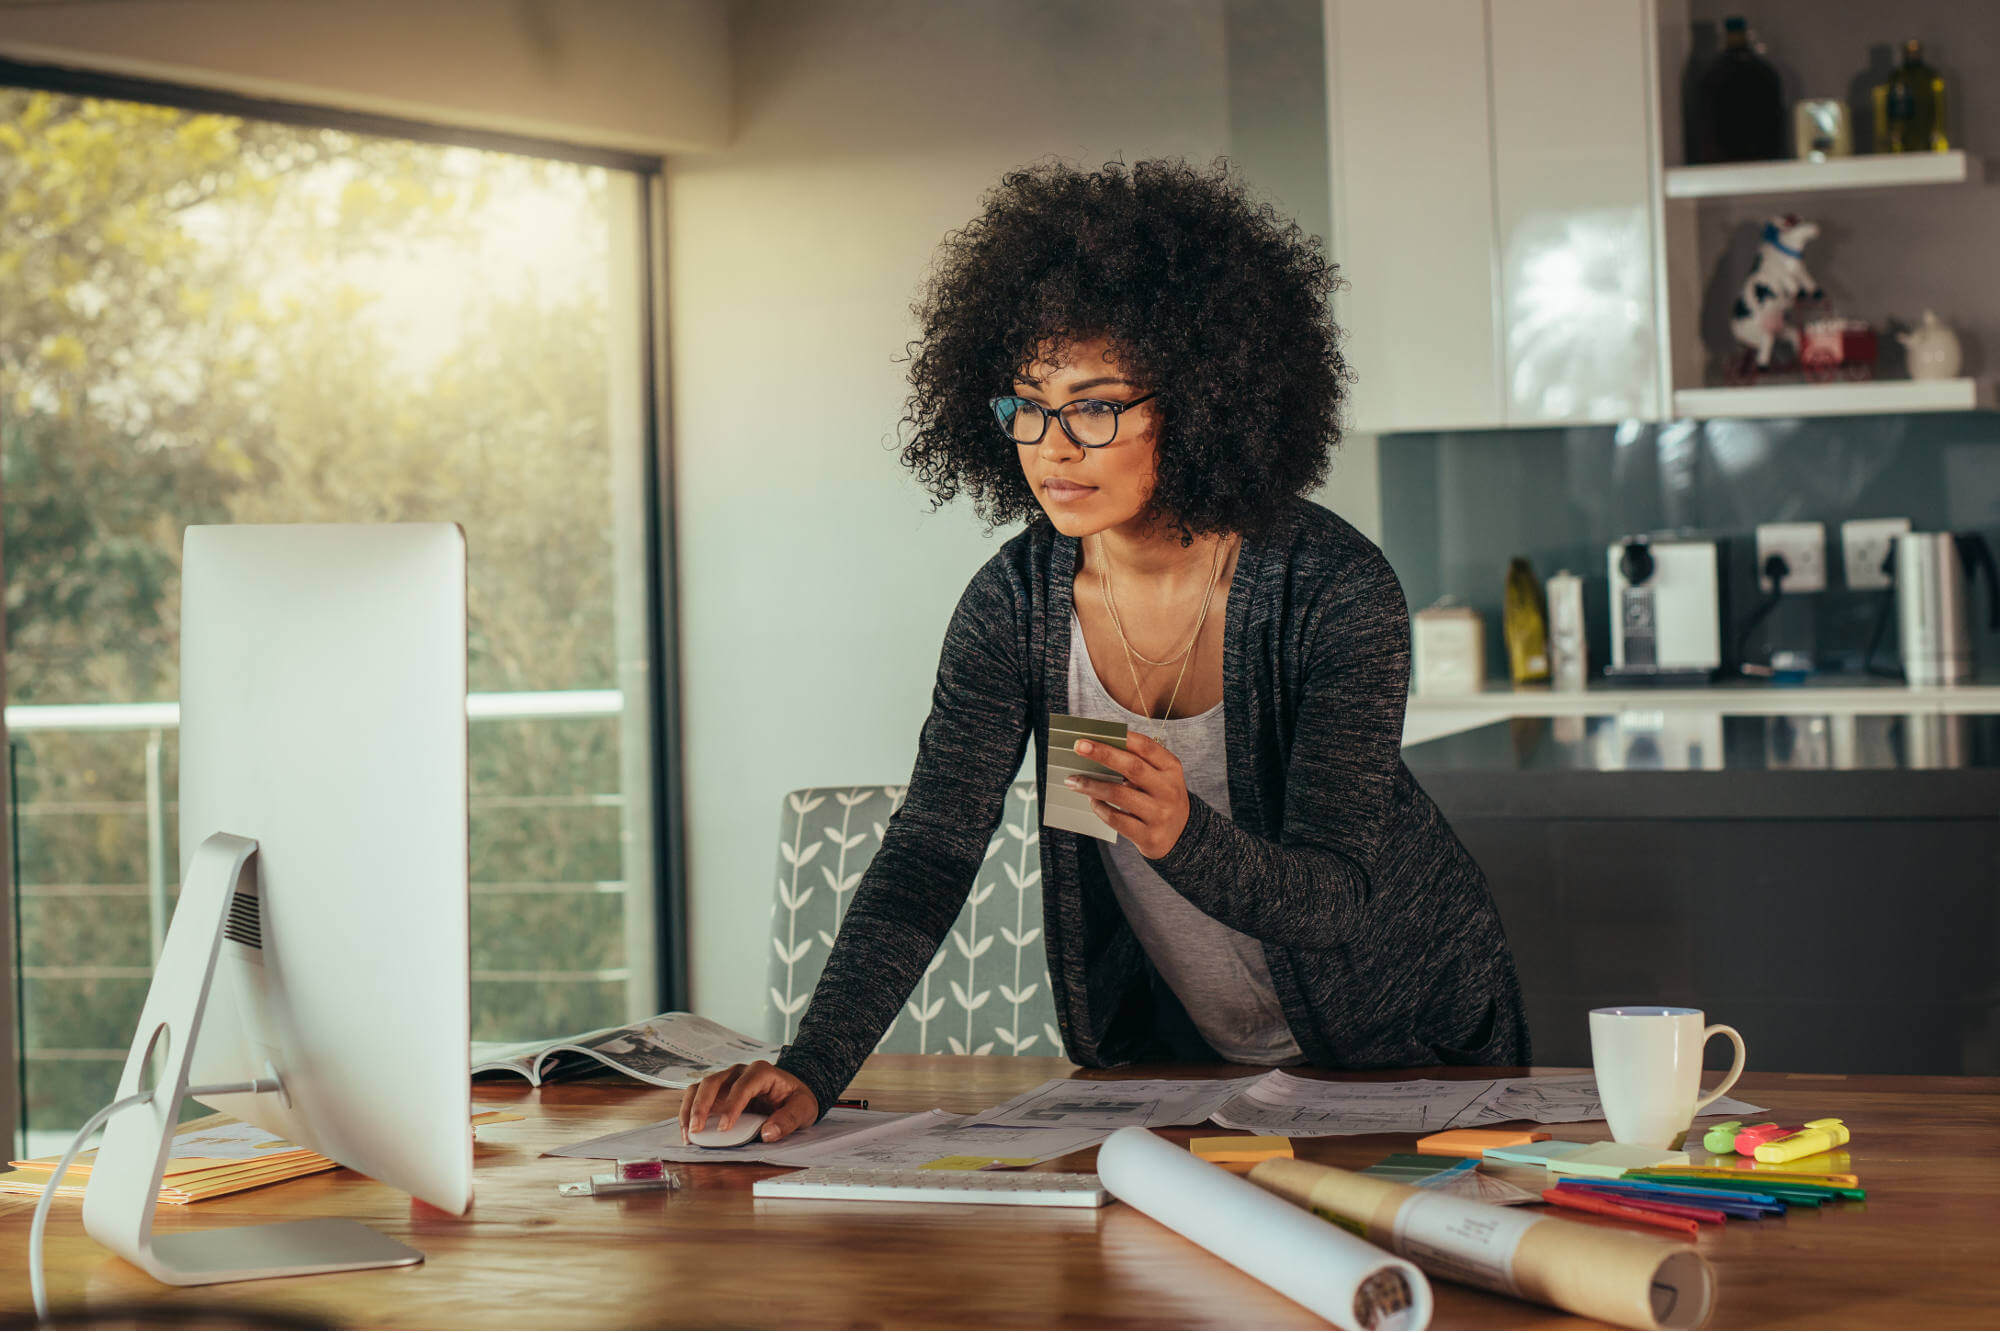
x=663, y=1140
x=853, y=1138
x=916, y=1140
x=1108, y=1104
x=1282, y=1103
x=1558, y=1099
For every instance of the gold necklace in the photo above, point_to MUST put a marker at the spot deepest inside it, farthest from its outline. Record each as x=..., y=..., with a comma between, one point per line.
x=1187, y=654
x=1104, y=580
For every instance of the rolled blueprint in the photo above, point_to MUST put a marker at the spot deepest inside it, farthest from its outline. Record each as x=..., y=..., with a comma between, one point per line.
x=1336, y=1276
x=1620, y=1277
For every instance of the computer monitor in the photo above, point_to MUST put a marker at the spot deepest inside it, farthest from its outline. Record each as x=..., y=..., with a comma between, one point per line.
x=323, y=935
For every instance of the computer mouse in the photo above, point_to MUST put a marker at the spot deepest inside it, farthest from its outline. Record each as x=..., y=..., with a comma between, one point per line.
x=738, y=1134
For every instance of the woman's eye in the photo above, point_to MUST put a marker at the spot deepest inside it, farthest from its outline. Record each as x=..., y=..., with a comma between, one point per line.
x=1093, y=407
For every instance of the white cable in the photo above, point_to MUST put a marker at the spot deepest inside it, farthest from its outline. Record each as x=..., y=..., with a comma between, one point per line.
x=35, y=1277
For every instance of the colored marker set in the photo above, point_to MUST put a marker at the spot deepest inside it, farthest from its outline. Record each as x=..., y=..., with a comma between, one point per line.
x=1775, y=1143
x=1681, y=1198
x=1810, y=1192
x=1664, y=1207
x=1662, y=1188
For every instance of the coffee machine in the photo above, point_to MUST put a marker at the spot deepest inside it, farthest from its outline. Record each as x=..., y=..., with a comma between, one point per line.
x=1667, y=609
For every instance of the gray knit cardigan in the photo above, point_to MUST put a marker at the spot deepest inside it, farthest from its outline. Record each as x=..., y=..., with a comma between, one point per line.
x=1382, y=939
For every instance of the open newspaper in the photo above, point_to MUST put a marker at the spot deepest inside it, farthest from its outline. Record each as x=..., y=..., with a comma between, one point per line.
x=673, y=1050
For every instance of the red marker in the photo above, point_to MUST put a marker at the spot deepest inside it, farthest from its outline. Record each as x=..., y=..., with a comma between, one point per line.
x=1597, y=1203
x=1698, y=1213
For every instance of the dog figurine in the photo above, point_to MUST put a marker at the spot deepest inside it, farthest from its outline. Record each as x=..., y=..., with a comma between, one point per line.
x=1778, y=279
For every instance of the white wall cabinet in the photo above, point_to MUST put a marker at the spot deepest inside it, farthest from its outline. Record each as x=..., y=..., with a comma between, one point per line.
x=1496, y=185
x=1413, y=210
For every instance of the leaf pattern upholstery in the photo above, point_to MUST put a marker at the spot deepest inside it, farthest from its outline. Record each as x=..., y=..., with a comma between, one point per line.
x=986, y=992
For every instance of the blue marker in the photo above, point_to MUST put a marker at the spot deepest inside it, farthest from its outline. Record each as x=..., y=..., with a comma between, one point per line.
x=1729, y=1201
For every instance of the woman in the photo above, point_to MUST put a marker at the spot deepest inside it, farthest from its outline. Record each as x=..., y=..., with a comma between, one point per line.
x=1141, y=364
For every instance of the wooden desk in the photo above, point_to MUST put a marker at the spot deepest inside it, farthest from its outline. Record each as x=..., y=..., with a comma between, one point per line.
x=1921, y=1252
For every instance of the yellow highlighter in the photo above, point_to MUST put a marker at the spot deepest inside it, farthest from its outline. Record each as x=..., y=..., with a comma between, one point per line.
x=1817, y=1136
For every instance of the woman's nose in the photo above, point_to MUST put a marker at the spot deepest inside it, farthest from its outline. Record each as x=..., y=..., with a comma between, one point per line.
x=1057, y=446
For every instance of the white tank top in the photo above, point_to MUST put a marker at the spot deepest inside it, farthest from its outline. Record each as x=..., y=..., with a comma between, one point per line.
x=1219, y=974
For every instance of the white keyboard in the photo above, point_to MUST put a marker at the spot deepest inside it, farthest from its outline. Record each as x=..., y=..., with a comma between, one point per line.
x=1041, y=1189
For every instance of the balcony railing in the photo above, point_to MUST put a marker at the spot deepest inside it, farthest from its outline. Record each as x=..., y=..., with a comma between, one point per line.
x=156, y=720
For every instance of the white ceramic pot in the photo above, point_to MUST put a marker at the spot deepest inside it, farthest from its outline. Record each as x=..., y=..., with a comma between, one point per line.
x=1933, y=349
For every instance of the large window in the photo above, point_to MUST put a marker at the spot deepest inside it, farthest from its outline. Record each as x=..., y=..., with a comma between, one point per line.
x=214, y=318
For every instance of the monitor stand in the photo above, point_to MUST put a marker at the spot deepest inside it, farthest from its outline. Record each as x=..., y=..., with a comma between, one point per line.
x=124, y=1185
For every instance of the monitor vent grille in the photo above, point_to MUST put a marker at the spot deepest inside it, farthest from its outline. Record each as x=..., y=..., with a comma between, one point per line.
x=246, y=923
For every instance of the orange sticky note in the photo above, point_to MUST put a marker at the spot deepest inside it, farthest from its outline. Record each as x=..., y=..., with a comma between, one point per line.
x=1241, y=1148
x=1474, y=1142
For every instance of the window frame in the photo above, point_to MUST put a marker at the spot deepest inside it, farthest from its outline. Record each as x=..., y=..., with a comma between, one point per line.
x=665, y=805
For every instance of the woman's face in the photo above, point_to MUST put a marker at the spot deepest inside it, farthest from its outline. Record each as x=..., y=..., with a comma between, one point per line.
x=1088, y=490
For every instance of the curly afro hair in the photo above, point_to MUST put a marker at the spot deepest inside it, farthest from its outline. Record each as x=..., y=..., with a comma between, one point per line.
x=1204, y=295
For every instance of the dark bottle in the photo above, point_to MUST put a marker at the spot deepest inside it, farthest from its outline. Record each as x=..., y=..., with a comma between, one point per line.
x=1741, y=113
x=1909, y=108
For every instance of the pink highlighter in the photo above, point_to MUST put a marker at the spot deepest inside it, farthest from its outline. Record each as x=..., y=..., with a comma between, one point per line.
x=1747, y=1140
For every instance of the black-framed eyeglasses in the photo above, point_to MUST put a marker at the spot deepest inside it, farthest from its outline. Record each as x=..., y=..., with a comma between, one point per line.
x=1091, y=422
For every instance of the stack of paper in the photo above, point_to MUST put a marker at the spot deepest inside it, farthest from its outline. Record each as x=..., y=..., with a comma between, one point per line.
x=204, y=1162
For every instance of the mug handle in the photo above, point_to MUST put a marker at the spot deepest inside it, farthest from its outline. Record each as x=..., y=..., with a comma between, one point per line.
x=1735, y=1069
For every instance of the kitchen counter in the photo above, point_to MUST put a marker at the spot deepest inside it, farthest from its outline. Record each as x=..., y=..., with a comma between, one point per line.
x=1825, y=883
x=1766, y=765
x=1433, y=715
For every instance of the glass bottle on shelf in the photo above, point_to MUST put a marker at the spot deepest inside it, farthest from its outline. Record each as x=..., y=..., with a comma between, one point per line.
x=1741, y=103
x=1909, y=108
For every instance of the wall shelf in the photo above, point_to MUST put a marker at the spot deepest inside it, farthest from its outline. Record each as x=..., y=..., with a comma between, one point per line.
x=1868, y=172
x=1819, y=400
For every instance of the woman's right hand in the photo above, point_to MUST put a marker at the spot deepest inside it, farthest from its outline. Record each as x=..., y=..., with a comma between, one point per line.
x=759, y=1086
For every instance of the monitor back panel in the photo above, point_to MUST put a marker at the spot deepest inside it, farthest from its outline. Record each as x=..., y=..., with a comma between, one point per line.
x=323, y=715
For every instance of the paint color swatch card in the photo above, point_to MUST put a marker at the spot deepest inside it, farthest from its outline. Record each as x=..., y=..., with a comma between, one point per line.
x=1066, y=809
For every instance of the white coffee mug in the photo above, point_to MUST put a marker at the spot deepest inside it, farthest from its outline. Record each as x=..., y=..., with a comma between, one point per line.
x=1648, y=1062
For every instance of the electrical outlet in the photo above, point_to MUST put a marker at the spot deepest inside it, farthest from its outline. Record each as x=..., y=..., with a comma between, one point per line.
x=1864, y=547
x=1804, y=547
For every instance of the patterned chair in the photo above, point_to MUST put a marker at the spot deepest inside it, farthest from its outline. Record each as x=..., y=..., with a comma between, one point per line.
x=987, y=990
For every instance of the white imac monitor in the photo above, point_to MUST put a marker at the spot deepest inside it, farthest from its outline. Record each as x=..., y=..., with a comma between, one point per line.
x=322, y=938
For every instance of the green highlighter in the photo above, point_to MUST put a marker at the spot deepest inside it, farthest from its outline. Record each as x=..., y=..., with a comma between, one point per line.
x=1722, y=1138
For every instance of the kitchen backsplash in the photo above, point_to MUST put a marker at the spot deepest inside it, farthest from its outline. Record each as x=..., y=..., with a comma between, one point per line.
x=1457, y=505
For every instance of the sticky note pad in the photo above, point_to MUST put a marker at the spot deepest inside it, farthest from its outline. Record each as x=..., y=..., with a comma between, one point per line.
x=1535, y=1154
x=963, y=1163
x=1241, y=1148
x=1475, y=1142
x=1611, y=1160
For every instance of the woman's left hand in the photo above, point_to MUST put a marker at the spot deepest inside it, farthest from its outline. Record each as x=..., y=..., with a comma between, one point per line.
x=1151, y=806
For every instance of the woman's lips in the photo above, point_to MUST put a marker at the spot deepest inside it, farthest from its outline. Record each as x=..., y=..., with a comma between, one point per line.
x=1065, y=490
